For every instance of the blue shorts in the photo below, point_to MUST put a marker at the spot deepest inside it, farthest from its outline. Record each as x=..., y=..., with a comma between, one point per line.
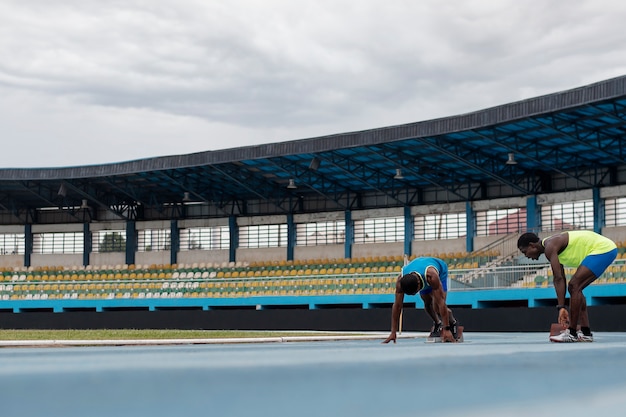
x=599, y=263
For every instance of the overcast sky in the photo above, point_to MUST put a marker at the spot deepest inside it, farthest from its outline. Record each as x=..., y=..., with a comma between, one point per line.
x=94, y=81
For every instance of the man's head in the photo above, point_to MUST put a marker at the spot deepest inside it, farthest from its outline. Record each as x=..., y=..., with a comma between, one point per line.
x=411, y=283
x=530, y=245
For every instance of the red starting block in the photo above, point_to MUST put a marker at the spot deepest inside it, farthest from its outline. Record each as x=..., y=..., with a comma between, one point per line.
x=459, y=338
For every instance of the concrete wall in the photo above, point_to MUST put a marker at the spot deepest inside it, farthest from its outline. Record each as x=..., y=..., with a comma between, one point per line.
x=319, y=252
x=261, y=254
x=110, y=258
x=198, y=256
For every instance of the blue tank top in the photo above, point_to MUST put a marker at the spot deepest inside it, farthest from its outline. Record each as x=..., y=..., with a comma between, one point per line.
x=420, y=265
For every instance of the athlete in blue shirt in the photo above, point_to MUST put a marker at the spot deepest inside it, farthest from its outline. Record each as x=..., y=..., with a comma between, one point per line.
x=429, y=277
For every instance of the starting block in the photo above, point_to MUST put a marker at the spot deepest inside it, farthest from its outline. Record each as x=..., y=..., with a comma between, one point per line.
x=459, y=338
x=556, y=328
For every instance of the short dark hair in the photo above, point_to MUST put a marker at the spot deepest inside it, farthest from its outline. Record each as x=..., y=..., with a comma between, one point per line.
x=526, y=239
x=409, y=283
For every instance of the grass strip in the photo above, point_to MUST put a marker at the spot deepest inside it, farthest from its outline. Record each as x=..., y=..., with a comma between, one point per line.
x=135, y=334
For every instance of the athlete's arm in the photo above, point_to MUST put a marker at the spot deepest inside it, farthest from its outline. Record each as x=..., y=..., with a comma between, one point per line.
x=396, y=310
x=552, y=248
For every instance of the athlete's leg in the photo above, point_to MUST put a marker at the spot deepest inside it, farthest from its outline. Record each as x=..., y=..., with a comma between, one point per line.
x=591, y=268
x=428, y=307
x=435, y=330
x=579, y=281
x=584, y=317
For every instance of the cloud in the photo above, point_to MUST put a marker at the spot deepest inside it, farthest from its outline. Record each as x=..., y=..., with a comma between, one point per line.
x=137, y=75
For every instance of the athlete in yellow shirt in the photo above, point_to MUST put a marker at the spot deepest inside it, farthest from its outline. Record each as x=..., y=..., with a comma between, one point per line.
x=585, y=250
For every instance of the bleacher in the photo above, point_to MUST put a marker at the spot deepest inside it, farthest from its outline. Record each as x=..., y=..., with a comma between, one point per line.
x=314, y=277
x=368, y=275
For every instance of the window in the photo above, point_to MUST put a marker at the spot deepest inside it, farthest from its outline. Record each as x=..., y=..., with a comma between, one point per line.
x=440, y=226
x=500, y=222
x=566, y=216
x=322, y=233
x=153, y=240
x=386, y=229
x=46, y=243
x=109, y=241
x=205, y=238
x=11, y=244
x=263, y=236
x=615, y=212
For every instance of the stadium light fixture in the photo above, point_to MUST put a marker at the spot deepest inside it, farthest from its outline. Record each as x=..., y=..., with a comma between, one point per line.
x=511, y=160
x=62, y=190
x=315, y=164
x=292, y=184
x=398, y=175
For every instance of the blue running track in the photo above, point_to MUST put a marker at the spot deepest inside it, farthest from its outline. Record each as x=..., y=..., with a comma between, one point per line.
x=491, y=374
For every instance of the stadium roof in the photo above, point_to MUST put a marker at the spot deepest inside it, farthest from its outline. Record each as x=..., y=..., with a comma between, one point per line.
x=564, y=141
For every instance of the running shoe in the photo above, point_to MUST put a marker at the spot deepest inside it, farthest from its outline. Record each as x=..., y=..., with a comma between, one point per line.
x=564, y=337
x=453, y=329
x=583, y=337
x=436, y=330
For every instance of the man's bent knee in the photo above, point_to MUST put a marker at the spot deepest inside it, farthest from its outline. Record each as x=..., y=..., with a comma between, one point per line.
x=573, y=287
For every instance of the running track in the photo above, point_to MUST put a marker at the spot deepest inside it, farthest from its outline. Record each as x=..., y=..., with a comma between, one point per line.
x=491, y=374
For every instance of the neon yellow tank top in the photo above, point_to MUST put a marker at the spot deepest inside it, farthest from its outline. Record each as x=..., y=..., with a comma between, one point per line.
x=581, y=244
